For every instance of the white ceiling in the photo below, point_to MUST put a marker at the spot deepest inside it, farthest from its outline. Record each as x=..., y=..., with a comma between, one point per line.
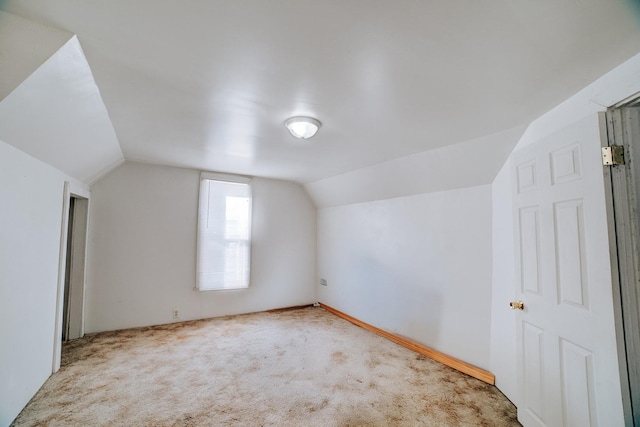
x=208, y=84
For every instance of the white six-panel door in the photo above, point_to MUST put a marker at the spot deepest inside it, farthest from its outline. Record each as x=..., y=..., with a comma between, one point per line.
x=567, y=363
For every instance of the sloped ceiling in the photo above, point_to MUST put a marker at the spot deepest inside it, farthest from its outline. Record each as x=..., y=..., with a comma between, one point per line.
x=57, y=115
x=24, y=46
x=208, y=84
x=467, y=164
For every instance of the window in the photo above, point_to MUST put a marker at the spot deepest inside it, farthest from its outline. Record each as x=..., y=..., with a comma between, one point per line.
x=224, y=232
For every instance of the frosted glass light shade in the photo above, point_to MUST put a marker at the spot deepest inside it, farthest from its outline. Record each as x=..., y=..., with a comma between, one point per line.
x=302, y=127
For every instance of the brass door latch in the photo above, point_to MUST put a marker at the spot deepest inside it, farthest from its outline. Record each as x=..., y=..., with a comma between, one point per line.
x=516, y=305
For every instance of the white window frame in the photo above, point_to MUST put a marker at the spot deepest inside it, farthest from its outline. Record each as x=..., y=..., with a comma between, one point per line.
x=239, y=179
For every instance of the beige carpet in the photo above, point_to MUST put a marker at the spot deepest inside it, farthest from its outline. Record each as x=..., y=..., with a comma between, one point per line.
x=303, y=367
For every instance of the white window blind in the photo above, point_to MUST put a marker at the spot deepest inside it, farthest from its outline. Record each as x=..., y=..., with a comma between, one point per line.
x=224, y=232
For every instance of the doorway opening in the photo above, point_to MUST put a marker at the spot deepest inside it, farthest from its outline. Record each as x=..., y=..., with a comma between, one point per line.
x=71, y=280
x=623, y=180
x=73, y=303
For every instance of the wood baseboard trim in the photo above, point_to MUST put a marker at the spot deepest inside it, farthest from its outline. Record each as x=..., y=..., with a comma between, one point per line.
x=449, y=361
x=295, y=307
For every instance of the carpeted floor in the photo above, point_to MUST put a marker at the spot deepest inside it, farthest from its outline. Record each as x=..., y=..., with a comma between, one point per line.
x=302, y=367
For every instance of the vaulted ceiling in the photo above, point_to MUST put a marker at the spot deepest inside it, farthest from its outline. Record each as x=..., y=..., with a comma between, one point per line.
x=208, y=84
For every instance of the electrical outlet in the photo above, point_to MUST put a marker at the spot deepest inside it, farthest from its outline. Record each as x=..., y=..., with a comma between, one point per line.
x=176, y=314
x=323, y=282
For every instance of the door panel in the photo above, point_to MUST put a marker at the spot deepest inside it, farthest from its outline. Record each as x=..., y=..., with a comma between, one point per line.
x=570, y=254
x=567, y=362
x=530, y=250
x=565, y=164
x=534, y=370
x=577, y=384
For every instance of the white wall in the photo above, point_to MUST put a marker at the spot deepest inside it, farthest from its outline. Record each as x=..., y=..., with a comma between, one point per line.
x=142, y=249
x=418, y=266
x=503, y=326
x=31, y=195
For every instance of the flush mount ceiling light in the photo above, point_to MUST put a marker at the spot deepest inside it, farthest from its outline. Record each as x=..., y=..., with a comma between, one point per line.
x=302, y=127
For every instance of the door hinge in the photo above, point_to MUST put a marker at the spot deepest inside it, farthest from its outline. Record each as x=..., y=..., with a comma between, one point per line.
x=613, y=155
